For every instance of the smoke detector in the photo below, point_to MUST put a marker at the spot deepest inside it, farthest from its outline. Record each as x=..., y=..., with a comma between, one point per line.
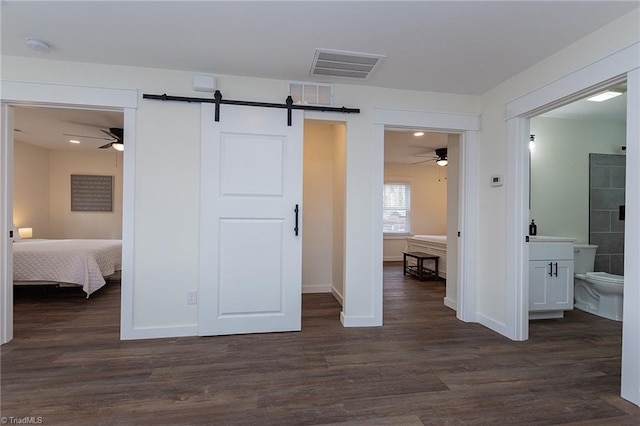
x=339, y=63
x=38, y=45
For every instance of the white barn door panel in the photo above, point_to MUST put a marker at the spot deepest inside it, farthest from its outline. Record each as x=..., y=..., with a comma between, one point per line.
x=250, y=255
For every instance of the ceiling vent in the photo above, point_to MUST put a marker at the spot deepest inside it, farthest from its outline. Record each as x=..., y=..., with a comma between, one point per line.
x=337, y=63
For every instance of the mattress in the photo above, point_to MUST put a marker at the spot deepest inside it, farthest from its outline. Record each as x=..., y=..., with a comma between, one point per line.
x=81, y=262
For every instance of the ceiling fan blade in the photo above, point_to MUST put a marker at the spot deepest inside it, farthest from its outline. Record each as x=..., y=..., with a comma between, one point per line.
x=106, y=146
x=423, y=161
x=111, y=135
x=86, y=137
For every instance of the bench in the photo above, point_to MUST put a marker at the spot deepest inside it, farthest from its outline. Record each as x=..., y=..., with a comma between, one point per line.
x=417, y=268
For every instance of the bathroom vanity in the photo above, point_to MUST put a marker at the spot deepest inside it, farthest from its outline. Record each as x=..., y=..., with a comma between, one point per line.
x=550, y=276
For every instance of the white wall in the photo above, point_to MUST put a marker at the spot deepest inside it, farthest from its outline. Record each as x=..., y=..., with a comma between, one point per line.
x=428, y=203
x=317, y=207
x=166, y=203
x=42, y=193
x=31, y=188
x=560, y=171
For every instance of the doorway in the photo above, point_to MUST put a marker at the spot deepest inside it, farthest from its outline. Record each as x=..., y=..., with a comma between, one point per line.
x=36, y=94
x=420, y=211
x=467, y=127
x=587, y=81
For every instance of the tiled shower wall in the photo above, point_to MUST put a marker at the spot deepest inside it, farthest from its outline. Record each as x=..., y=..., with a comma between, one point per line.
x=606, y=195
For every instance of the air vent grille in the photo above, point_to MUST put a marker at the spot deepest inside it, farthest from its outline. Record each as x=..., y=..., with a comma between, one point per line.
x=308, y=93
x=338, y=63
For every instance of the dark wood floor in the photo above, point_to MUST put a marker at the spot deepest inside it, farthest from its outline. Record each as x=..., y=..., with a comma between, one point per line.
x=67, y=366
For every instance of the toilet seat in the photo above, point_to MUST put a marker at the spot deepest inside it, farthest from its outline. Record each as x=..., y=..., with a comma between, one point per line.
x=604, y=278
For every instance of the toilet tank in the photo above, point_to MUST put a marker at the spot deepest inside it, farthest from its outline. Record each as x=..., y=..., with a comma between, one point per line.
x=584, y=258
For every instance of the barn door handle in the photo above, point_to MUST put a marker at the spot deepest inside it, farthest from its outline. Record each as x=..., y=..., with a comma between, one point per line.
x=296, y=210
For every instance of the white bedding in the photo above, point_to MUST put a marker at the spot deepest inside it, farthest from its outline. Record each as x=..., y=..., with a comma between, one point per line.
x=81, y=262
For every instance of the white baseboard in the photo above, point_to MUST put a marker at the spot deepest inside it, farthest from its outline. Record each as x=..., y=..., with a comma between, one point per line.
x=359, y=321
x=393, y=258
x=317, y=288
x=158, y=332
x=338, y=296
x=492, y=324
x=450, y=303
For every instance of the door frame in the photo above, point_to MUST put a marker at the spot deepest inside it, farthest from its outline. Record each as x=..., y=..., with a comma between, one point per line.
x=467, y=125
x=619, y=66
x=68, y=96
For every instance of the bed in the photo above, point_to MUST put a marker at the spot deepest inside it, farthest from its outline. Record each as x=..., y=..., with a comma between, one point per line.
x=433, y=245
x=83, y=263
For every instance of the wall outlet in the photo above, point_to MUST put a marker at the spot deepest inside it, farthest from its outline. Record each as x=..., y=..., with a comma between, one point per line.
x=192, y=297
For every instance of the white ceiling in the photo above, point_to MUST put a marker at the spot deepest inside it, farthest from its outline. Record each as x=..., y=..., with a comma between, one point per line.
x=465, y=47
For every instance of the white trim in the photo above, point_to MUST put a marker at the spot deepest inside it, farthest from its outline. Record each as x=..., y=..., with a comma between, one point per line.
x=492, y=324
x=442, y=121
x=58, y=94
x=450, y=303
x=517, y=260
x=356, y=321
x=6, y=224
x=630, y=388
x=128, y=225
x=33, y=93
x=316, y=288
x=578, y=84
x=161, y=332
x=615, y=67
x=468, y=125
x=467, y=227
x=392, y=258
x=337, y=295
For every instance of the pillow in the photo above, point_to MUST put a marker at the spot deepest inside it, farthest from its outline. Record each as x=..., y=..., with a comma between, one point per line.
x=16, y=235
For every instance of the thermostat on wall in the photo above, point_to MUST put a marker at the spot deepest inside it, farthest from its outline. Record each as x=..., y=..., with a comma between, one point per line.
x=496, y=180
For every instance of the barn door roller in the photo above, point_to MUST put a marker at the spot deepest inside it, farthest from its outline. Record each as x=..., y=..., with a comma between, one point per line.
x=218, y=100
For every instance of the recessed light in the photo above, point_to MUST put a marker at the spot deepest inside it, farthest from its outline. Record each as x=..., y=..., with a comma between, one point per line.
x=604, y=96
x=73, y=141
x=418, y=134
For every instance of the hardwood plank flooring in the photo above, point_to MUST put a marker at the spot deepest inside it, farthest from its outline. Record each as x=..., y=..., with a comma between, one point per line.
x=67, y=366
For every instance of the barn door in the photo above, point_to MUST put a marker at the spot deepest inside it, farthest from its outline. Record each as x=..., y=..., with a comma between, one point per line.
x=250, y=205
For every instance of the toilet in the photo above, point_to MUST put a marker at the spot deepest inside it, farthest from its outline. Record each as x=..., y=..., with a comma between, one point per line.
x=597, y=293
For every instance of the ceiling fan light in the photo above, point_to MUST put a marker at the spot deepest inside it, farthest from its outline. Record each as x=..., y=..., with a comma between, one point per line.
x=442, y=162
x=118, y=146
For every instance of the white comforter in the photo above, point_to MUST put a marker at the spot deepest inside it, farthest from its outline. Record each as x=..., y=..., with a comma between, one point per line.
x=82, y=262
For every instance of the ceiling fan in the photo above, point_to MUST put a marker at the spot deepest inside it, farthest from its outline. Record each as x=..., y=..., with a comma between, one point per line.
x=115, y=138
x=440, y=158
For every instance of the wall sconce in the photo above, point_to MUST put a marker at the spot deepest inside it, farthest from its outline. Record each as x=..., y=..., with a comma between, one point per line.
x=532, y=143
x=25, y=232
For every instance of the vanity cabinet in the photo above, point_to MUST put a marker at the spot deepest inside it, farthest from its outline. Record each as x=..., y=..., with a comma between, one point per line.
x=550, y=277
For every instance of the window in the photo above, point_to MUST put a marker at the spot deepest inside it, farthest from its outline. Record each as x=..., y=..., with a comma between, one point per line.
x=396, y=210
